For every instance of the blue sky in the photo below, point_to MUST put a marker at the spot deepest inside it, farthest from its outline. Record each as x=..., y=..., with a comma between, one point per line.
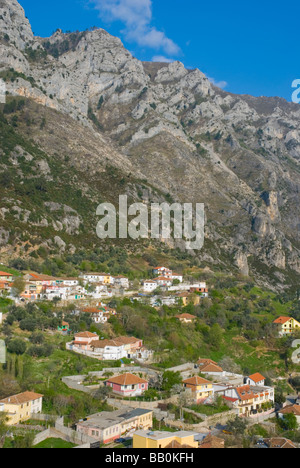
x=245, y=47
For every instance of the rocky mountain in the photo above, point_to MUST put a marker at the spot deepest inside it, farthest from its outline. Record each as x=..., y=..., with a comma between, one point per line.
x=91, y=114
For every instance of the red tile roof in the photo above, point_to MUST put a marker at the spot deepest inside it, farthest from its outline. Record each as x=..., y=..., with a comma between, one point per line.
x=196, y=381
x=211, y=368
x=282, y=320
x=127, y=379
x=212, y=442
x=245, y=393
x=291, y=409
x=21, y=398
x=86, y=335
x=278, y=442
x=229, y=399
x=186, y=316
x=97, y=344
x=206, y=361
x=176, y=445
x=257, y=377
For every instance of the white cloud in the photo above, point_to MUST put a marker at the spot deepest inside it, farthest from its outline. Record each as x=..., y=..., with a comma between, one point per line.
x=218, y=84
x=161, y=58
x=136, y=16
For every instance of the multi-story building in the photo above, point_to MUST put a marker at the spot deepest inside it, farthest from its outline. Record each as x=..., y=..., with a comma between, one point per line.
x=201, y=389
x=109, y=426
x=5, y=282
x=99, y=314
x=121, y=281
x=249, y=400
x=117, y=348
x=5, y=276
x=104, y=278
x=163, y=281
x=108, y=350
x=19, y=408
x=82, y=342
x=162, y=271
x=150, y=286
x=96, y=314
x=286, y=326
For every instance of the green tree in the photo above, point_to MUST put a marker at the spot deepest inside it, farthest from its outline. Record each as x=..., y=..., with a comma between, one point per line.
x=238, y=426
x=16, y=346
x=215, y=336
x=289, y=422
x=170, y=379
x=18, y=287
x=3, y=428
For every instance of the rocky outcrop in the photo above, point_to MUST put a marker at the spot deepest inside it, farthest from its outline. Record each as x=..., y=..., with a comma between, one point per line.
x=167, y=125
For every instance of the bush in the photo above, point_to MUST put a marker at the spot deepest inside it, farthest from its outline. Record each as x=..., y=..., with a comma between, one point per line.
x=40, y=351
x=16, y=346
x=28, y=324
x=37, y=338
x=13, y=106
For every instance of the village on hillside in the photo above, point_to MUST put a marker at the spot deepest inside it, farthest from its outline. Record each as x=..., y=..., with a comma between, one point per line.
x=205, y=403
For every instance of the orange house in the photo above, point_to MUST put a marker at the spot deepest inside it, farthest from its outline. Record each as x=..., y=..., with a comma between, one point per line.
x=201, y=388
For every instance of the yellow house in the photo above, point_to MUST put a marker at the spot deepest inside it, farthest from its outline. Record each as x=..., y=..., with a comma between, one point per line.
x=5, y=276
x=19, y=408
x=161, y=440
x=188, y=298
x=286, y=325
x=201, y=388
x=107, y=278
x=34, y=284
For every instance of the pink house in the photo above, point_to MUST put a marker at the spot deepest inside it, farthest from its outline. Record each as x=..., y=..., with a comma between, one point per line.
x=83, y=340
x=127, y=385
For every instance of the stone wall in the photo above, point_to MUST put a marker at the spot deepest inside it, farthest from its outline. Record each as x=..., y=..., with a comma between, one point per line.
x=73, y=380
x=64, y=433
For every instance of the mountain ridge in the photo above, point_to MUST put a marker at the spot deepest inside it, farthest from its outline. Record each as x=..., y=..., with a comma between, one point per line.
x=240, y=155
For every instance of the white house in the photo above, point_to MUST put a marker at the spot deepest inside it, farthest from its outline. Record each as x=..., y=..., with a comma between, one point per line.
x=109, y=350
x=97, y=315
x=105, y=278
x=150, y=286
x=57, y=291
x=160, y=300
x=121, y=281
x=175, y=276
x=70, y=281
x=255, y=379
x=63, y=292
x=163, y=281
x=162, y=271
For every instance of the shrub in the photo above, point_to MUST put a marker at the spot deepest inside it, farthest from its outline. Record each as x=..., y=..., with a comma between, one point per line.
x=16, y=346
